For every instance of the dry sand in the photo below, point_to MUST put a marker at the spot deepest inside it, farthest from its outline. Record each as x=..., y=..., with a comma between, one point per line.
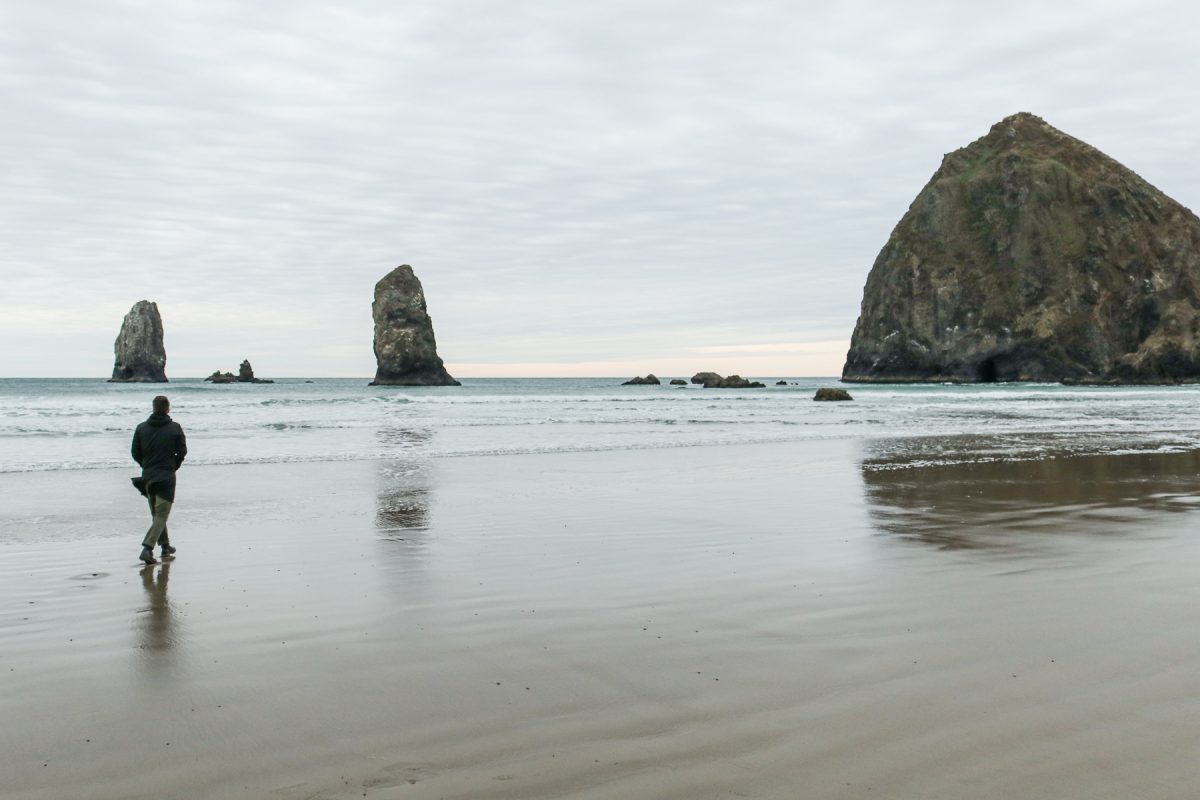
x=785, y=621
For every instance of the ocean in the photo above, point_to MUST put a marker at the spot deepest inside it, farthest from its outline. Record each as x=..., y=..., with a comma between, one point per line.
x=65, y=424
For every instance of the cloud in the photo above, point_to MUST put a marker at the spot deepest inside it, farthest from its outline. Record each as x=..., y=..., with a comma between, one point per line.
x=810, y=348
x=574, y=183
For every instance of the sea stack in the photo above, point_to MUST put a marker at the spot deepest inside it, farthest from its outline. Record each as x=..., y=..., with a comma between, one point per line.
x=1032, y=256
x=405, y=348
x=140, y=355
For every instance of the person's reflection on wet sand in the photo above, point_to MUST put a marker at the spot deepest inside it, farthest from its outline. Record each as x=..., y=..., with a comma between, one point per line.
x=988, y=504
x=158, y=624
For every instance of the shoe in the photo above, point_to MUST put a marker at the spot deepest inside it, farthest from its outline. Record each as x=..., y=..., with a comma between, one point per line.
x=167, y=550
x=148, y=556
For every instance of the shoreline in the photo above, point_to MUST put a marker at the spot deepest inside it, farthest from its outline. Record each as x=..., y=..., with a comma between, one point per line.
x=1116, y=444
x=56, y=427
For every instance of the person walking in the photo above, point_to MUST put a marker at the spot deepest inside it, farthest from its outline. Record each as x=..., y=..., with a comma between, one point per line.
x=159, y=448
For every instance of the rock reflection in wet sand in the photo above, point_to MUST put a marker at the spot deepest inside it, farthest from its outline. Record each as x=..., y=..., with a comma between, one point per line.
x=1009, y=503
x=402, y=499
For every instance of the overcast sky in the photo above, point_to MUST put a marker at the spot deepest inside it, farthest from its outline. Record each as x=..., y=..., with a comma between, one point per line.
x=584, y=188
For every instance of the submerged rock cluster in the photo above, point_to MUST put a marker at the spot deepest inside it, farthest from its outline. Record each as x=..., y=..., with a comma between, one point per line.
x=711, y=380
x=245, y=375
x=1032, y=256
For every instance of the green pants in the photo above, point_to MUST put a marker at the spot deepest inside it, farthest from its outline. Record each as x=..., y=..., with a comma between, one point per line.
x=160, y=509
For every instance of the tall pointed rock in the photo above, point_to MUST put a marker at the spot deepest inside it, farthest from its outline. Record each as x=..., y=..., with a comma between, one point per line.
x=1032, y=256
x=405, y=348
x=140, y=355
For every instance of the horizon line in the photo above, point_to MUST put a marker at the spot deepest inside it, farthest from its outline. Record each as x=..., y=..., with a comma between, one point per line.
x=369, y=378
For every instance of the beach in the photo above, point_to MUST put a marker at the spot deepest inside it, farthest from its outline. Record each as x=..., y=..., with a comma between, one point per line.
x=798, y=619
x=599, y=401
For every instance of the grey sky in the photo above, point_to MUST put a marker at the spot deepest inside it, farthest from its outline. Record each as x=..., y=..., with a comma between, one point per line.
x=583, y=188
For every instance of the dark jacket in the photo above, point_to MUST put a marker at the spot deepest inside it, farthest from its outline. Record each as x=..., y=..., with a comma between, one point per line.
x=159, y=446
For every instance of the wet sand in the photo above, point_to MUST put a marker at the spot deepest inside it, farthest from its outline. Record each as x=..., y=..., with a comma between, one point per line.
x=778, y=621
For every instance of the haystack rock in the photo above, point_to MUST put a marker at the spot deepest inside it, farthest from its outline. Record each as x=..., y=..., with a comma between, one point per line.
x=140, y=355
x=405, y=349
x=1032, y=256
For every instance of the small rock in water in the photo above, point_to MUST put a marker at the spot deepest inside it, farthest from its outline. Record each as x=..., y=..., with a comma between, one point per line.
x=832, y=394
x=245, y=375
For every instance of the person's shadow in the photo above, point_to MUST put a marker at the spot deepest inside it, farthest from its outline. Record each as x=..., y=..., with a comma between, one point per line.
x=158, y=631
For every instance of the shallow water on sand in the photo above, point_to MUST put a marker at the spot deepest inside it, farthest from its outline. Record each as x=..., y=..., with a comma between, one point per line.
x=818, y=619
x=64, y=424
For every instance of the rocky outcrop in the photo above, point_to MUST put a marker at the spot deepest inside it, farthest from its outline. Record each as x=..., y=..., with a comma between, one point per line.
x=711, y=380
x=832, y=395
x=405, y=349
x=1032, y=256
x=245, y=375
x=140, y=355
x=649, y=380
x=735, y=382
x=678, y=382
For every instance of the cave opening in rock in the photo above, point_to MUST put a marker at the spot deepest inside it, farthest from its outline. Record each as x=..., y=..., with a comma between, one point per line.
x=987, y=371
